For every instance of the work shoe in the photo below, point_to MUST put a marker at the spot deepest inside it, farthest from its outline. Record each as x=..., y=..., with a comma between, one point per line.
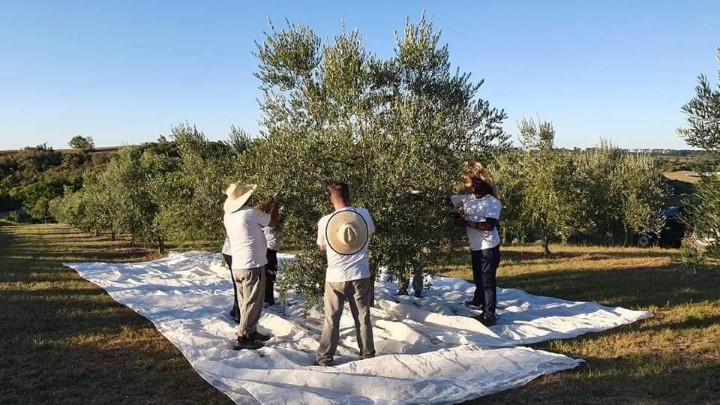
x=418, y=294
x=259, y=337
x=243, y=342
x=324, y=363
x=475, y=304
x=487, y=320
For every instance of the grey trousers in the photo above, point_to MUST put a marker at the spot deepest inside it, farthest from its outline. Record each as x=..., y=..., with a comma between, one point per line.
x=250, y=284
x=359, y=296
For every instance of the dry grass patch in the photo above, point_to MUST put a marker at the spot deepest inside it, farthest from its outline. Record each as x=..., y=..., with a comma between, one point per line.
x=64, y=340
x=672, y=358
x=683, y=175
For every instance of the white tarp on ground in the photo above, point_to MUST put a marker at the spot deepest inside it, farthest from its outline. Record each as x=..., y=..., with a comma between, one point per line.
x=428, y=349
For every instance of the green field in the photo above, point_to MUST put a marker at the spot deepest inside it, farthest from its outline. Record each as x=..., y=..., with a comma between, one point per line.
x=64, y=340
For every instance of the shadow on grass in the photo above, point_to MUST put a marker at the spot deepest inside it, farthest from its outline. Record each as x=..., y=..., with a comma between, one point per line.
x=523, y=256
x=691, y=322
x=646, y=378
x=637, y=287
x=64, y=340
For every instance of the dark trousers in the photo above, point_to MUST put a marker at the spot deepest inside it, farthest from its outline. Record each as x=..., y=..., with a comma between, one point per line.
x=271, y=275
x=485, y=263
x=235, y=312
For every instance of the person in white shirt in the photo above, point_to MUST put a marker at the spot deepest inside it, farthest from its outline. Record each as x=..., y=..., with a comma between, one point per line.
x=480, y=215
x=227, y=255
x=244, y=227
x=343, y=235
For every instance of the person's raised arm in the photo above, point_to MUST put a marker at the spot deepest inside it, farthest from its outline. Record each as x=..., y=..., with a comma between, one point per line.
x=274, y=214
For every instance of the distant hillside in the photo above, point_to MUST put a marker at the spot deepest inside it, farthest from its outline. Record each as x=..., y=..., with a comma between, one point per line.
x=31, y=177
x=102, y=149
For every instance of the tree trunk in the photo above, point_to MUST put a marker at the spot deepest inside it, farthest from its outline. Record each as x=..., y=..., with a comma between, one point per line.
x=545, y=243
x=97, y=232
x=626, y=242
x=161, y=245
x=112, y=235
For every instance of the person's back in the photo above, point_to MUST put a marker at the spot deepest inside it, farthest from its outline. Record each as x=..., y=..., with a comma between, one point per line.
x=244, y=228
x=346, y=267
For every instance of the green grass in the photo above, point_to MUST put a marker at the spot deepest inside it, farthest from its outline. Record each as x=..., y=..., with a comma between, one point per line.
x=64, y=340
x=671, y=358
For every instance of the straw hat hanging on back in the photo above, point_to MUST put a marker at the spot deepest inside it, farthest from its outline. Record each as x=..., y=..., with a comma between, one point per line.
x=237, y=196
x=346, y=232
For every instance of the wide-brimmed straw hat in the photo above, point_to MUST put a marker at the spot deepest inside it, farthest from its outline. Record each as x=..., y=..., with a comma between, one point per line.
x=346, y=232
x=237, y=196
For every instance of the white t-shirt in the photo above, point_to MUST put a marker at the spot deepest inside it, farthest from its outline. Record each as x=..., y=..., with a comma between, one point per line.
x=272, y=235
x=346, y=267
x=226, y=246
x=477, y=210
x=247, y=239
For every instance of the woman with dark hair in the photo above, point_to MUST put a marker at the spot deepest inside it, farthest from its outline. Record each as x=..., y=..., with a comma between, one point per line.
x=480, y=214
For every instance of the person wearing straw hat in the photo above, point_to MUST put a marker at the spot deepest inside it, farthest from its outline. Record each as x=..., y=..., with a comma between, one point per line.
x=343, y=235
x=244, y=227
x=480, y=213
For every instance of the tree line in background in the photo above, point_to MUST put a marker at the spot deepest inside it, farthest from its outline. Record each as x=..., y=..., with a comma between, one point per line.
x=398, y=130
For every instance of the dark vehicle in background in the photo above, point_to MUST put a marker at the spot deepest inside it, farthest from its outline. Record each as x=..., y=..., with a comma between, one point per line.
x=672, y=233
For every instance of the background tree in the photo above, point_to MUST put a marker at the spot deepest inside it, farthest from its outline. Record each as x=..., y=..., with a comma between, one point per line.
x=551, y=198
x=509, y=172
x=622, y=194
x=190, y=196
x=85, y=143
x=642, y=194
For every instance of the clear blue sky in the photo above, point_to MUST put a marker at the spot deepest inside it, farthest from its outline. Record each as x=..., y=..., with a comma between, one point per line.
x=124, y=72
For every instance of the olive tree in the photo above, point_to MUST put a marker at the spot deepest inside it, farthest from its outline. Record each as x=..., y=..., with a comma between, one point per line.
x=189, y=194
x=396, y=130
x=551, y=196
x=622, y=193
x=703, y=131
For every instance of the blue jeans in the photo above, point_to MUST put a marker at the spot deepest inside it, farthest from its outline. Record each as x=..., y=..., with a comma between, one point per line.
x=485, y=263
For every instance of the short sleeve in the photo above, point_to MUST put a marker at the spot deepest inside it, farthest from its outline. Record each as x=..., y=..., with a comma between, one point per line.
x=457, y=200
x=321, y=233
x=370, y=223
x=262, y=218
x=492, y=210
